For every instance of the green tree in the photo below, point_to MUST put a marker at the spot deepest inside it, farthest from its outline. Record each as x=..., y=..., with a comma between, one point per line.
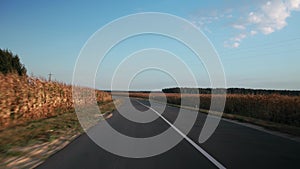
x=10, y=63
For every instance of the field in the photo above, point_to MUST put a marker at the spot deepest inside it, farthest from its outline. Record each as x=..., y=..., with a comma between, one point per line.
x=23, y=99
x=269, y=110
x=37, y=118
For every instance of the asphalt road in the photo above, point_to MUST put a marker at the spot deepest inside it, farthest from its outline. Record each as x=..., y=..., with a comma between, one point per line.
x=232, y=145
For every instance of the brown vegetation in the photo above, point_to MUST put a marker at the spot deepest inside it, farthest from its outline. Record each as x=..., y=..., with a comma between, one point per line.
x=273, y=107
x=23, y=99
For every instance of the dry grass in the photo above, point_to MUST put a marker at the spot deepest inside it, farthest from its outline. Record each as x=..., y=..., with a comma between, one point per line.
x=23, y=99
x=17, y=141
x=274, y=108
x=34, y=111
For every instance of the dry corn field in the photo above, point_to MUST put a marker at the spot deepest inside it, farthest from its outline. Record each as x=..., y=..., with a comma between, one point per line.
x=275, y=108
x=23, y=99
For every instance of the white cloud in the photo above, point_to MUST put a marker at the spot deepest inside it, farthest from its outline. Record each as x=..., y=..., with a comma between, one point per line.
x=202, y=19
x=267, y=30
x=235, y=45
x=294, y=4
x=254, y=18
x=270, y=17
x=253, y=32
x=239, y=37
x=231, y=45
x=202, y=22
x=235, y=41
x=238, y=26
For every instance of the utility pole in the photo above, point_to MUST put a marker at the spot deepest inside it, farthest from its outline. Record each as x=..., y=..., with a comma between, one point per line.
x=50, y=75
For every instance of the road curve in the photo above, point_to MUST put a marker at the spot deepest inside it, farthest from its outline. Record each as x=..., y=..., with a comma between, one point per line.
x=232, y=145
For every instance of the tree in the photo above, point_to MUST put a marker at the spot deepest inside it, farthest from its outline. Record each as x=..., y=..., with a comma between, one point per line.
x=10, y=63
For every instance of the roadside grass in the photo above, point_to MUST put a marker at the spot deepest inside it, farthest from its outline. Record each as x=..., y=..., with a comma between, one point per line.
x=293, y=130
x=38, y=131
x=240, y=108
x=41, y=131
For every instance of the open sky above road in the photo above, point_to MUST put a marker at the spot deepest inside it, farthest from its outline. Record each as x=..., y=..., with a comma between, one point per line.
x=257, y=41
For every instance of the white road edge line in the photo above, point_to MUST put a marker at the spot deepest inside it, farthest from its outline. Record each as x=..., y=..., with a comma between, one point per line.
x=253, y=126
x=208, y=156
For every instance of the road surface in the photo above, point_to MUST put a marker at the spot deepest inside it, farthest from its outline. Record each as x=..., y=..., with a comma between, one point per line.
x=232, y=145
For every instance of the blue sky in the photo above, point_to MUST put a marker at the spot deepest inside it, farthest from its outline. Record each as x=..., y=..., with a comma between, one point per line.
x=257, y=41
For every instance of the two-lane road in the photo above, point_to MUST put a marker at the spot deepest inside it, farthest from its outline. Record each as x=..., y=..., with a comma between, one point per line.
x=232, y=145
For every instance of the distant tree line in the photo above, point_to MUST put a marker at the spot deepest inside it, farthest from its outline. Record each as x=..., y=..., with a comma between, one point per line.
x=10, y=63
x=230, y=91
